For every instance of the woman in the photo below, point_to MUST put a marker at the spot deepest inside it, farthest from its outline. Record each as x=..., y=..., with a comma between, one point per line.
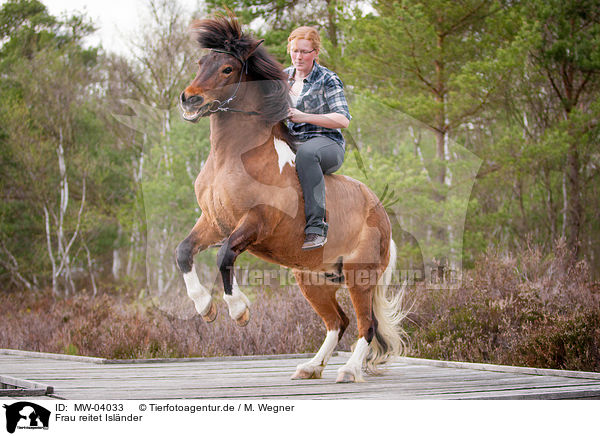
x=319, y=110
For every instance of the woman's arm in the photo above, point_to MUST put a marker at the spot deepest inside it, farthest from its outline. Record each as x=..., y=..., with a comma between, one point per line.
x=332, y=120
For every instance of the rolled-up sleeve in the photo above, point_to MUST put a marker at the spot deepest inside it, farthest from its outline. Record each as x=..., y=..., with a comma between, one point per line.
x=334, y=94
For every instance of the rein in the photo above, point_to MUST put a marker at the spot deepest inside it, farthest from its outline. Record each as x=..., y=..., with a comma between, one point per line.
x=222, y=105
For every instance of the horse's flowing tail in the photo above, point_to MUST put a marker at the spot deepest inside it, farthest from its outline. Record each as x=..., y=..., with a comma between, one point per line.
x=389, y=339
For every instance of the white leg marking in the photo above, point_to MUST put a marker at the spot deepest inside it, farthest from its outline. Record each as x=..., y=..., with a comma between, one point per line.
x=237, y=301
x=317, y=364
x=198, y=293
x=352, y=370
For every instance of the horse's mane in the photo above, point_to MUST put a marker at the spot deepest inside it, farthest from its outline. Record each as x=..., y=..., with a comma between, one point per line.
x=225, y=34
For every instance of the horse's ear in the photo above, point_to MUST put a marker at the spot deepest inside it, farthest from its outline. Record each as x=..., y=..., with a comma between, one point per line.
x=254, y=48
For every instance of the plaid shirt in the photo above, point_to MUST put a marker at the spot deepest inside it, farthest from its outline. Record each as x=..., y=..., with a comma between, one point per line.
x=323, y=93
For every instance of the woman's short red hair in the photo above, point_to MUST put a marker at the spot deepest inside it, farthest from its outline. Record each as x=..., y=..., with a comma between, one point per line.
x=305, y=32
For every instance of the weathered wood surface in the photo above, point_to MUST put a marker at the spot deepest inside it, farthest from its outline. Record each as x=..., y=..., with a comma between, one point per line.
x=14, y=387
x=269, y=378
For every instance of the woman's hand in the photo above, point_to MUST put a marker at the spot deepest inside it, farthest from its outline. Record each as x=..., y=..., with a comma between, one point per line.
x=295, y=115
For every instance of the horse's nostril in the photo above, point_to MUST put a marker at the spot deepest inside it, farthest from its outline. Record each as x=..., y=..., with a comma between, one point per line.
x=190, y=101
x=195, y=100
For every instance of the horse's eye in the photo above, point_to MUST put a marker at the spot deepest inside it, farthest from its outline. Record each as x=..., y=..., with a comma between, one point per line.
x=227, y=70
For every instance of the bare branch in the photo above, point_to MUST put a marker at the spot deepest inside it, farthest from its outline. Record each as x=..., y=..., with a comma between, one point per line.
x=13, y=266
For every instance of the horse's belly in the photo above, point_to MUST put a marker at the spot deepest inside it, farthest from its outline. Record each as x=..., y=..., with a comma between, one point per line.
x=349, y=208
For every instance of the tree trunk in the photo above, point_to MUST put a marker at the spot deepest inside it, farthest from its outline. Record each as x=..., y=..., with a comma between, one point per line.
x=441, y=127
x=331, y=24
x=116, y=264
x=51, y=251
x=574, y=208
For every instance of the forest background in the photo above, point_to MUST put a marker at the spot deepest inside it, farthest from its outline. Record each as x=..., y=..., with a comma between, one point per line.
x=475, y=121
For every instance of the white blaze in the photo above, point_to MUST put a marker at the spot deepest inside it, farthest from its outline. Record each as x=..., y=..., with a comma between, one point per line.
x=284, y=154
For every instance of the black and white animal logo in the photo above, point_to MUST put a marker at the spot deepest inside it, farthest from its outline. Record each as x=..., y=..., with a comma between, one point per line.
x=26, y=415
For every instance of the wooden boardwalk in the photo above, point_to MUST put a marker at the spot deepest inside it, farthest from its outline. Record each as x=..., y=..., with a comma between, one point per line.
x=268, y=377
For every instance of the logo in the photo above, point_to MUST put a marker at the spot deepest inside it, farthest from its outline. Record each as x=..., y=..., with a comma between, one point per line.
x=25, y=415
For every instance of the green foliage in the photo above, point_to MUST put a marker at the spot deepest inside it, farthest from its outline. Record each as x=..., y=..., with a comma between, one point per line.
x=49, y=103
x=273, y=20
x=476, y=124
x=434, y=88
x=25, y=28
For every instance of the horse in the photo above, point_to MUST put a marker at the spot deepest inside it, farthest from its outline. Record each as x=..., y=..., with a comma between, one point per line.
x=250, y=199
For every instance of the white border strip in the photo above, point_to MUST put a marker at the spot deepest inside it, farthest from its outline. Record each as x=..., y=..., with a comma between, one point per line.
x=37, y=354
x=99, y=360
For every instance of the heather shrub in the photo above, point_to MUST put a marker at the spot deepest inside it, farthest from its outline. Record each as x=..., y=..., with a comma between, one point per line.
x=528, y=309
x=525, y=309
x=126, y=326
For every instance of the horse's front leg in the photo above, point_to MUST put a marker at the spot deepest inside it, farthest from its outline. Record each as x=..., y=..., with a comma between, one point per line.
x=202, y=236
x=245, y=234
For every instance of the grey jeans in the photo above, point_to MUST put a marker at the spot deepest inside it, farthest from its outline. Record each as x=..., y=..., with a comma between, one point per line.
x=315, y=157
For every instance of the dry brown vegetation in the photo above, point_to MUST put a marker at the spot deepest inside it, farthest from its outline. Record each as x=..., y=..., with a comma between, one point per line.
x=126, y=327
x=527, y=310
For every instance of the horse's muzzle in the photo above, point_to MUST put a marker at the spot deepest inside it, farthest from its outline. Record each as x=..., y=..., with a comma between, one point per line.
x=192, y=102
x=191, y=107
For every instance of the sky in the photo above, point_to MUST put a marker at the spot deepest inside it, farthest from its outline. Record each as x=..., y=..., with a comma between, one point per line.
x=115, y=19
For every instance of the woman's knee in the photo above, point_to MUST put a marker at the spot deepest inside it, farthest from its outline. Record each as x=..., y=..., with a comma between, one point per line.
x=333, y=162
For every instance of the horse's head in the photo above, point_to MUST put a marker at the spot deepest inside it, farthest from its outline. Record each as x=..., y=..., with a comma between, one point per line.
x=218, y=73
x=233, y=59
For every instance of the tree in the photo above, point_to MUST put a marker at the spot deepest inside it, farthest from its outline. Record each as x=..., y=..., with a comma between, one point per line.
x=422, y=59
x=542, y=128
x=165, y=58
x=414, y=56
x=45, y=96
x=273, y=20
x=566, y=37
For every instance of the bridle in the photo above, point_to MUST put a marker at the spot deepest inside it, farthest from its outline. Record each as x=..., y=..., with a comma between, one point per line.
x=223, y=105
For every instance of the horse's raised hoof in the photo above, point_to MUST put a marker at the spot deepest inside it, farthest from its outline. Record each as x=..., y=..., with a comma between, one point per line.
x=303, y=374
x=243, y=320
x=211, y=315
x=345, y=377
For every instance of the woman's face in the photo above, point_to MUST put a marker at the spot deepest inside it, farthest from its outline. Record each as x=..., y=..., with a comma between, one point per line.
x=303, y=55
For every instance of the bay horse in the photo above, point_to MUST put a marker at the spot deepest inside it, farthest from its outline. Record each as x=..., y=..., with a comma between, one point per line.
x=251, y=199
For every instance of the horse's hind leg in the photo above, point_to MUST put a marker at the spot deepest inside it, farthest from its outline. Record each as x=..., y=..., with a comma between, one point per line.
x=201, y=237
x=322, y=299
x=361, y=297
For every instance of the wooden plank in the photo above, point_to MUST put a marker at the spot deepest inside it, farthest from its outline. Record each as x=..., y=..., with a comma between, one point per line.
x=557, y=393
x=323, y=389
x=36, y=354
x=12, y=387
x=502, y=368
x=11, y=399
x=20, y=392
x=98, y=360
x=169, y=390
x=269, y=378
